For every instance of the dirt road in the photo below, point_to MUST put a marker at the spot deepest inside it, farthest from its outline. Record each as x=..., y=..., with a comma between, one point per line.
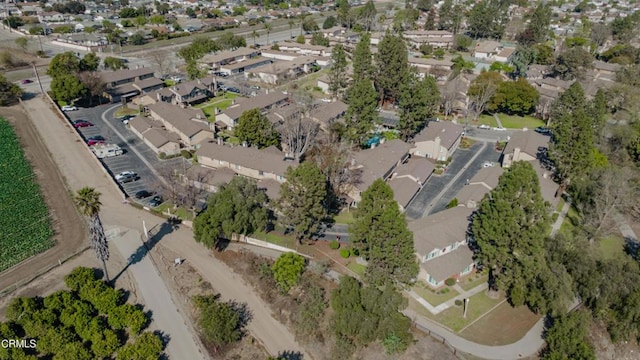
x=70, y=233
x=82, y=170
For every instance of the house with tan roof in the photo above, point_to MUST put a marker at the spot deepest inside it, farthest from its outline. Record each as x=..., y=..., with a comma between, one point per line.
x=125, y=76
x=155, y=135
x=215, y=61
x=190, y=124
x=281, y=71
x=408, y=178
x=484, y=181
x=245, y=65
x=127, y=83
x=435, y=38
x=229, y=117
x=326, y=114
x=441, y=245
x=439, y=140
x=207, y=179
x=486, y=49
x=524, y=146
x=259, y=164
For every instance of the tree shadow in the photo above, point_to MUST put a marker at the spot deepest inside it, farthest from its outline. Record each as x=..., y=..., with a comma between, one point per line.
x=631, y=247
x=155, y=235
x=165, y=338
x=290, y=355
x=222, y=244
x=245, y=315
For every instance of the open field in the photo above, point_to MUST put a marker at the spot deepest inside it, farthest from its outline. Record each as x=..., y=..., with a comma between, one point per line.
x=25, y=225
x=520, y=122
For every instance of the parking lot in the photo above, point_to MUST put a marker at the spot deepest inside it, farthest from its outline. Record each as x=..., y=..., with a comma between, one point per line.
x=137, y=157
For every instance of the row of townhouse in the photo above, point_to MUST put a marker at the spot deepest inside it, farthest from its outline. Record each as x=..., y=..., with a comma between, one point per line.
x=441, y=239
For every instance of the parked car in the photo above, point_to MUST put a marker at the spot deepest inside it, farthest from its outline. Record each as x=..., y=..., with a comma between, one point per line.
x=484, y=127
x=26, y=81
x=499, y=128
x=93, y=142
x=96, y=137
x=487, y=164
x=543, y=130
x=142, y=194
x=233, y=90
x=255, y=87
x=127, y=176
x=81, y=124
x=155, y=201
x=69, y=108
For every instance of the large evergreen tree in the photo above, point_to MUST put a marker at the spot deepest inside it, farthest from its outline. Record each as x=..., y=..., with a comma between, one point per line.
x=302, y=199
x=392, y=67
x=239, y=207
x=568, y=338
x=88, y=200
x=508, y=233
x=338, y=71
x=254, y=128
x=419, y=101
x=362, y=63
x=380, y=232
x=487, y=19
x=362, y=113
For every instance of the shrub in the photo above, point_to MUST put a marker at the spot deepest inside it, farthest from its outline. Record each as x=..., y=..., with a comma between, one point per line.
x=450, y=282
x=334, y=244
x=345, y=253
x=554, y=217
x=185, y=154
x=458, y=302
x=355, y=252
x=453, y=203
x=162, y=155
x=444, y=291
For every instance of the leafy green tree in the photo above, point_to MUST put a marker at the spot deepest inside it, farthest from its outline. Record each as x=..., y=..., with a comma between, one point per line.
x=13, y=22
x=239, y=207
x=74, y=351
x=508, y=231
x=90, y=62
x=544, y=54
x=287, y=270
x=450, y=16
x=572, y=63
x=147, y=346
x=309, y=25
x=128, y=13
x=430, y=23
x=104, y=344
x=229, y=41
x=343, y=13
x=302, y=199
x=393, y=67
x=362, y=64
x=362, y=112
x=113, y=63
x=64, y=64
x=568, y=338
x=137, y=39
x=521, y=59
x=66, y=88
x=338, y=70
x=460, y=65
x=254, y=128
x=88, y=200
x=381, y=234
x=10, y=93
x=481, y=90
x=311, y=312
x=515, y=97
x=419, y=101
x=487, y=19
x=219, y=322
x=329, y=22
x=539, y=23
x=462, y=42
x=157, y=19
x=319, y=40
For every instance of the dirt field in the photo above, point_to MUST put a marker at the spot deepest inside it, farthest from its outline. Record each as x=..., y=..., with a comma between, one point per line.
x=69, y=228
x=187, y=282
x=502, y=326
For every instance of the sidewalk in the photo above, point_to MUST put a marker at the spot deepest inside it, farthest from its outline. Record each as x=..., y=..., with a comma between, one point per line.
x=563, y=213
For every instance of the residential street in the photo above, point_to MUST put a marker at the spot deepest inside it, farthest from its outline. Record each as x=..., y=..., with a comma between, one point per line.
x=81, y=169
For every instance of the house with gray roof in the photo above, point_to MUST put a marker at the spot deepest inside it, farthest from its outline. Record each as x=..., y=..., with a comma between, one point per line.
x=438, y=141
x=155, y=136
x=326, y=114
x=245, y=65
x=229, y=117
x=524, y=146
x=206, y=178
x=215, y=61
x=478, y=186
x=441, y=245
x=259, y=164
x=189, y=93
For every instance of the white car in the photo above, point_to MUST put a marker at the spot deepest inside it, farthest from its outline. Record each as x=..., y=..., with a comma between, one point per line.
x=484, y=127
x=499, y=129
x=69, y=108
x=126, y=175
x=487, y=164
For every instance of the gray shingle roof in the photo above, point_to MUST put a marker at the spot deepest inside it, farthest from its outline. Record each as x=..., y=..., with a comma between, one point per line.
x=528, y=141
x=378, y=161
x=440, y=230
x=446, y=130
x=448, y=265
x=268, y=160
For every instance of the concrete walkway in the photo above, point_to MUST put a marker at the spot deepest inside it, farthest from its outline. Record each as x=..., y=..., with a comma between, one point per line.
x=625, y=229
x=157, y=297
x=495, y=116
x=563, y=214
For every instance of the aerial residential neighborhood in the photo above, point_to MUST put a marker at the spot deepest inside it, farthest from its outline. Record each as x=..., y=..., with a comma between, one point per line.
x=321, y=179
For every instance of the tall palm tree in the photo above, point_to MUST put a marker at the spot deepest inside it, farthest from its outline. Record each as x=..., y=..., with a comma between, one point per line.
x=88, y=200
x=302, y=17
x=254, y=35
x=268, y=27
x=291, y=24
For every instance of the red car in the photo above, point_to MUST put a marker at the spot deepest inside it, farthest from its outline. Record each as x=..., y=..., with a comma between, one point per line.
x=92, y=142
x=81, y=124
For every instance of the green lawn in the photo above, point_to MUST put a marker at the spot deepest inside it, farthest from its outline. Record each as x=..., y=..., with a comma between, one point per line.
x=570, y=222
x=485, y=119
x=611, y=247
x=519, y=122
x=356, y=268
x=479, y=304
x=180, y=212
x=474, y=281
x=434, y=297
x=344, y=217
x=275, y=238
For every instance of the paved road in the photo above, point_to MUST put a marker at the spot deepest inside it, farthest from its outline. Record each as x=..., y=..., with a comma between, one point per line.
x=157, y=298
x=81, y=169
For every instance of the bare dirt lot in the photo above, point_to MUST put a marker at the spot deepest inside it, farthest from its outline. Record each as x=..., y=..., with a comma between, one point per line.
x=187, y=282
x=69, y=227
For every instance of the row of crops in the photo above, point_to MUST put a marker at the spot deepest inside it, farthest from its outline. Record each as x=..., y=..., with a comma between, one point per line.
x=25, y=226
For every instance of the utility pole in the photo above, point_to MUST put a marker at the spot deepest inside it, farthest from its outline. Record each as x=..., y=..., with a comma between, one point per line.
x=466, y=307
x=35, y=69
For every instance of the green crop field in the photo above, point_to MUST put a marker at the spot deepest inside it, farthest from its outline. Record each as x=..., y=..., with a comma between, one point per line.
x=25, y=228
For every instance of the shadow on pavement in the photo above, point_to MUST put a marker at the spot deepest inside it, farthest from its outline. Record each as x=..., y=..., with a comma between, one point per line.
x=155, y=235
x=290, y=355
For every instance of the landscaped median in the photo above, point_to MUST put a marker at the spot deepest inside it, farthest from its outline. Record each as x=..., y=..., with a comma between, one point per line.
x=434, y=297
